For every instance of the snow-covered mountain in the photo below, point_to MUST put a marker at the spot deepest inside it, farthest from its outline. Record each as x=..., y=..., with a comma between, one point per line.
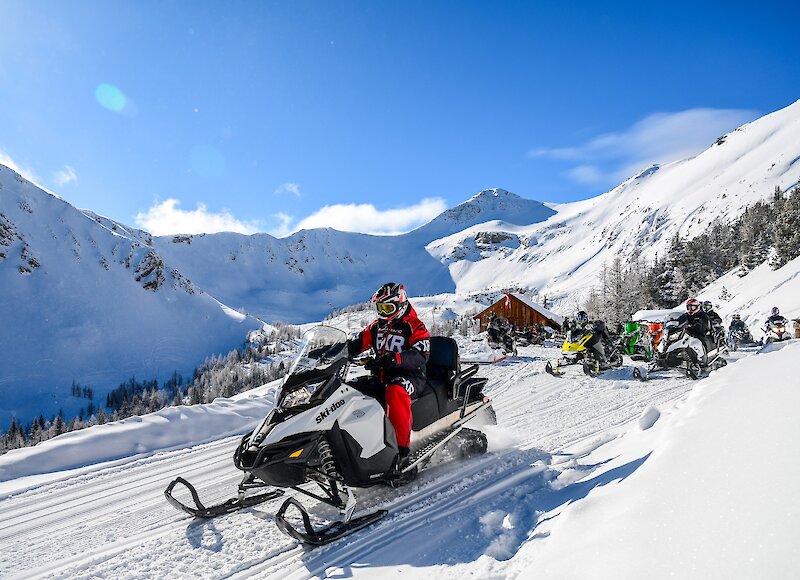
x=497, y=239
x=562, y=256
x=305, y=275
x=83, y=299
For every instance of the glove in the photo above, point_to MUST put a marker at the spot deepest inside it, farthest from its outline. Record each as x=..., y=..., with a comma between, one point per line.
x=386, y=361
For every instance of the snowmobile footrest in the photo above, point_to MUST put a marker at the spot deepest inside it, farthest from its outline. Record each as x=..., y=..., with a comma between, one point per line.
x=327, y=534
x=229, y=506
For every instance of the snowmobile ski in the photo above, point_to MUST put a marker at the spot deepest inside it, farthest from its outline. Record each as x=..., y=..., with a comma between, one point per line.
x=227, y=507
x=556, y=372
x=326, y=535
x=639, y=375
x=591, y=368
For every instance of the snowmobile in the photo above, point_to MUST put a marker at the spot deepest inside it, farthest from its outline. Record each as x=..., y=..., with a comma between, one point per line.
x=677, y=349
x=776, y=332
x=637, y=341
x=739, y=337
x=575, y=351
x=528, y=338
x=501, y=340
x=333, y=434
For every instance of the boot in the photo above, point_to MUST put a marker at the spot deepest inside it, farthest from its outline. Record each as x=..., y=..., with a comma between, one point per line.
x=396, y=476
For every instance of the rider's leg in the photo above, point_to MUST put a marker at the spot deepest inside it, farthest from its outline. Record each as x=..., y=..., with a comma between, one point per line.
x=398, y=409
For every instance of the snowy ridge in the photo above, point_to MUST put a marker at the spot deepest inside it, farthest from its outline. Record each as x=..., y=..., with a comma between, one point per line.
x=263, y=275
x=562, y=256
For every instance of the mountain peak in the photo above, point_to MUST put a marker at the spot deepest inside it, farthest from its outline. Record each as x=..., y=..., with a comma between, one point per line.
x=486, y=205
x=494, y=192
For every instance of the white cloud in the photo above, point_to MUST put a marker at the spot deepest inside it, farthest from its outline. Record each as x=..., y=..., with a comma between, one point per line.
x=289, y=187
x=65, y=176
x=167, y=218
x=24, y=171
x=589, y=174
x=658, y=138
x=286, y=225
x=366, y=218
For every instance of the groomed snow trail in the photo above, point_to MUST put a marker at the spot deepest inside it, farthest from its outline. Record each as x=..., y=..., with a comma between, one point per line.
x=114, y=521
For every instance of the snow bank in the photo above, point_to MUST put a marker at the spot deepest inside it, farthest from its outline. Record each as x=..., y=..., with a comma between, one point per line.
x=648, y=418
x=169, y=428
x=696, y=501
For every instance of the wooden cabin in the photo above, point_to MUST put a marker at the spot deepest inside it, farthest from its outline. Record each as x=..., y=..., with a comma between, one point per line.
x=520, y=311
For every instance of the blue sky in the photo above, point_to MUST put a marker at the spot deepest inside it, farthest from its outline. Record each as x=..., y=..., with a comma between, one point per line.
x=371, y=116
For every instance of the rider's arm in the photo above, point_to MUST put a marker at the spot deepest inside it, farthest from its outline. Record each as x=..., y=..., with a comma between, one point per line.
x=415, y=356
x=361, y=343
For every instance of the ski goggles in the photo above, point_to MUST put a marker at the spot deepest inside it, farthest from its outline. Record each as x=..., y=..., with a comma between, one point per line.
x=386, y=308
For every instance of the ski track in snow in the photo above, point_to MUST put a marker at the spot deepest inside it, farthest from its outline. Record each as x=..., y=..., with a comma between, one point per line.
x=114, y=521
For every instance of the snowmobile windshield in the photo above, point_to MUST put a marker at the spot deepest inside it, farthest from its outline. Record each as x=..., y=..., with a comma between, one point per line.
x=322, y=354
x=321, y=347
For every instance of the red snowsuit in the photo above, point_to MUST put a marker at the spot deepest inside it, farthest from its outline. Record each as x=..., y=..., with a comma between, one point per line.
x=409, y=340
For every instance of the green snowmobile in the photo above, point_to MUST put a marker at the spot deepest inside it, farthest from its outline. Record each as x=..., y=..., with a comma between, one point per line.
x=637, y=342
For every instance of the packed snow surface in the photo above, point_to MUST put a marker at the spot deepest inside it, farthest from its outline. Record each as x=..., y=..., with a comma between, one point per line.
x=573, y=486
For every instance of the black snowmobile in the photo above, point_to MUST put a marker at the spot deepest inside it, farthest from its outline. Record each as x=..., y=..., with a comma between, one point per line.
x=500, y=336
x=332, y=433
x=740, y=337
x=528, y=338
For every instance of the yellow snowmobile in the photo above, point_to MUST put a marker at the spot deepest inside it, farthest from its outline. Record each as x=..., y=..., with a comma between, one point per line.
x=576, y=349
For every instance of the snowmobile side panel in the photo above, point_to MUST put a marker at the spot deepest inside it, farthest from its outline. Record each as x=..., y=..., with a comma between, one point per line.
x=355, y=469
x=346, y=406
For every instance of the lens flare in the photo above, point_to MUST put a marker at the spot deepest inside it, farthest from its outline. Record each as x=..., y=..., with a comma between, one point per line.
x=110, y=97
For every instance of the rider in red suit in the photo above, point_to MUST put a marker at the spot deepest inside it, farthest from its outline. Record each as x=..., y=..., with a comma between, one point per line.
x=402, y=345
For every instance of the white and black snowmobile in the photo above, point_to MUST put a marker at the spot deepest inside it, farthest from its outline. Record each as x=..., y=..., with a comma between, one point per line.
x=329, y=432
x=776, y=331
x=677, y=349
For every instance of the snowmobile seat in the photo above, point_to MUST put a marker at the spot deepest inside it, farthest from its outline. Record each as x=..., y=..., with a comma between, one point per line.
x=435, y=400
x=443, y=362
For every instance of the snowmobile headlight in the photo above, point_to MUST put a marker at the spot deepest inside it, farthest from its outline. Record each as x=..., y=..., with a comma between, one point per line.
x=301, y=395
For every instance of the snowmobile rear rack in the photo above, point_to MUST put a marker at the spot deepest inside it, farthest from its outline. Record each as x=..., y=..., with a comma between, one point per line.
x=327, y=534
x=229, y=506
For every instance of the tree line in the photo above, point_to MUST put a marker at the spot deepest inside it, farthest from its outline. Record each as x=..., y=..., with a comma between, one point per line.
x=767, y=231
x=242, y=369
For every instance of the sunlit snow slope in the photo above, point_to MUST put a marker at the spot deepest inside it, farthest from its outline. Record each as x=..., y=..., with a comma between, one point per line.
x=562, y=256
x=265, y=275
x=82, y=299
